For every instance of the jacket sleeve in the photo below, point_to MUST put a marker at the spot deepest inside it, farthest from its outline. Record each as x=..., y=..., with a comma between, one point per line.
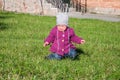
x=74, y=38
x=51, y=37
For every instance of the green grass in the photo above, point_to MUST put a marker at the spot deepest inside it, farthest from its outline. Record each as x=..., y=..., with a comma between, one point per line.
x=22, y=52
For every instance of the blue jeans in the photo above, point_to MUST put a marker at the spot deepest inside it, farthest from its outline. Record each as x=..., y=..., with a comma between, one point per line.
x=72, y=55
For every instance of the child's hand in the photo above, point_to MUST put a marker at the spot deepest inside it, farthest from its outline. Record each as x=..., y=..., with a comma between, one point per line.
x=82, y=41
x=45, y=44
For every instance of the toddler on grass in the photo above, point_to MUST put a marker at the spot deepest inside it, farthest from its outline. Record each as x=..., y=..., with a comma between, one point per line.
x=60, y=38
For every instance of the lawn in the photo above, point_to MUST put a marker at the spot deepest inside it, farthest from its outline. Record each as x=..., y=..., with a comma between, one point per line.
x=22, y=52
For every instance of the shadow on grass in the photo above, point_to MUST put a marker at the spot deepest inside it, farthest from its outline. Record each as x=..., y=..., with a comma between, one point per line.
x=3, y=26
x=5, y=17
x=80, y=52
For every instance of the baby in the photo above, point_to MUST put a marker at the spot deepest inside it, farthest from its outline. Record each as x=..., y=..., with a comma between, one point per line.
x=60, y=38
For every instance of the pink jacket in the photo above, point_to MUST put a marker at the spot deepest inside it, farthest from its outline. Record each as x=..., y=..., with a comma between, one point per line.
x=61, y=42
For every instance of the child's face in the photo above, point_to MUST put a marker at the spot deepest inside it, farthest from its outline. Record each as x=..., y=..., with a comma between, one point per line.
x=61, y=27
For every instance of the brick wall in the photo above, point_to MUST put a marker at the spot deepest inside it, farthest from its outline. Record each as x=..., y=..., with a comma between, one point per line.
x=104, y=3
x=103, y=6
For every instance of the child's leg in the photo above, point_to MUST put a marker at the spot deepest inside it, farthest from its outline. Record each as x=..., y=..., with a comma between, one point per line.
x=72, y=54
x=54, y=56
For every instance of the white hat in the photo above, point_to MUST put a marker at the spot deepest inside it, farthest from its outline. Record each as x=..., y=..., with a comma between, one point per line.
x=62, y=19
